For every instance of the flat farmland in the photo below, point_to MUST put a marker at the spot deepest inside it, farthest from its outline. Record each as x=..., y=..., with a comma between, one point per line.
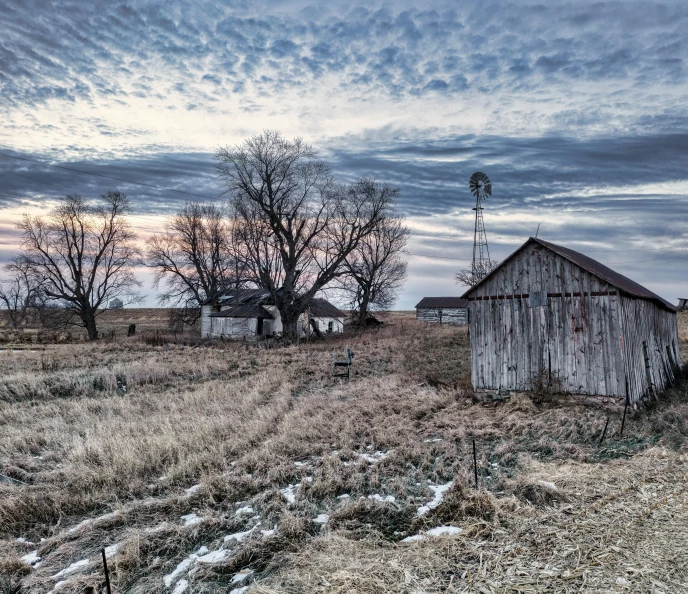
x=228, y=467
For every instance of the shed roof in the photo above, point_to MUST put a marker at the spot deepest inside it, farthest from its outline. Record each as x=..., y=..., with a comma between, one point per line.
x=448, y=302
x=621, y=282
x=322, y=308
x=244, y=311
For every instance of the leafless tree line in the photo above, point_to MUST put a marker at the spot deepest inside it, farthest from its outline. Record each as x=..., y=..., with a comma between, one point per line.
x=285, y=225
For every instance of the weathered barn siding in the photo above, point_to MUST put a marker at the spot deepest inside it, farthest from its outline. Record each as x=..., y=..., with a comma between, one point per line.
x=539, y=313
x=234, y=327
x=650, y=347
x=443, y=315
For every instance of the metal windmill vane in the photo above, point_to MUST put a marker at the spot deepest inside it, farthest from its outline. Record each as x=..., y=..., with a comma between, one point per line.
x=481, y=188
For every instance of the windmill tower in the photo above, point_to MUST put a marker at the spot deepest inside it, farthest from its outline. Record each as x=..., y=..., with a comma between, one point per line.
x=481, y=188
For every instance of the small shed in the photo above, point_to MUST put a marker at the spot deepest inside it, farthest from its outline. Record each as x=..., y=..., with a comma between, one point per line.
x=443, y=310
x=550, y=312
x=683, y=304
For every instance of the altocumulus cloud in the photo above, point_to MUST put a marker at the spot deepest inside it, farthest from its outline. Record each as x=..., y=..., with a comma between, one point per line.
x=578, y=112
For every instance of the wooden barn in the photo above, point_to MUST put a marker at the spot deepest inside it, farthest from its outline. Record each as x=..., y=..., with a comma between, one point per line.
x=442, y=310
x=548, y=312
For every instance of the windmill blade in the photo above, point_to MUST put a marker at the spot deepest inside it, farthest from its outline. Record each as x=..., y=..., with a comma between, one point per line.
x=480, y=185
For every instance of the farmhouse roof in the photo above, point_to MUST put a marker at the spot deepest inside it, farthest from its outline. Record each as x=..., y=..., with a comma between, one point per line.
x=448, y=302
x=239, y=296
x=321, y=308
x=621, y=282
x=244, y=311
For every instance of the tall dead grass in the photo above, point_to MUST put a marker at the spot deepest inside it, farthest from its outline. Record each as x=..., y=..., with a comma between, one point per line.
x=243, y=423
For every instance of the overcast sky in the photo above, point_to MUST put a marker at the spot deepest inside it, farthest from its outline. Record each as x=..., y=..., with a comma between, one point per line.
x=578, y=112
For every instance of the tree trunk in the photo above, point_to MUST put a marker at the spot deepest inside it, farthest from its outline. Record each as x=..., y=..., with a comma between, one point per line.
x=89, y=319
x=289, y=323
x=363, y=311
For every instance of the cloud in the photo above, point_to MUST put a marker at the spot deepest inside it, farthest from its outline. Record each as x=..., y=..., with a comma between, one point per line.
x=577, y=111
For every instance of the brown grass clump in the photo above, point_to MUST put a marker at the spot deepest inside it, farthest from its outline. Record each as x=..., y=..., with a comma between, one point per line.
x=365, y=518
x=539, y=492
x=459, y=504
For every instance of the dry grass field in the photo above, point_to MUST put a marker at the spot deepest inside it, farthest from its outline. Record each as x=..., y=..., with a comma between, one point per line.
x=239, y=468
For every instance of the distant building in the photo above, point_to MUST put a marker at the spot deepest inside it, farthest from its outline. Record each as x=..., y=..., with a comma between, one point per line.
x=251, y=314
x=443, y=310
x=116, y=304
x=683, y=304
x=550, y=313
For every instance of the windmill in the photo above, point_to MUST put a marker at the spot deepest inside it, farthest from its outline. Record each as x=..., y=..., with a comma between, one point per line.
x=481, y=188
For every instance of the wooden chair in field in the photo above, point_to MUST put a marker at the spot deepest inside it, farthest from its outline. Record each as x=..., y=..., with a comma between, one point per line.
x=341, y=368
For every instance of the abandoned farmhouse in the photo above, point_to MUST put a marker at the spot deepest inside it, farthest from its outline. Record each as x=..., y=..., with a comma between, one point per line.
x=250, y=314
x=442, y=310
x=549, y=313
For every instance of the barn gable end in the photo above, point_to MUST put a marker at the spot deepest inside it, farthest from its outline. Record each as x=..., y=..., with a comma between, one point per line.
x=543, y=314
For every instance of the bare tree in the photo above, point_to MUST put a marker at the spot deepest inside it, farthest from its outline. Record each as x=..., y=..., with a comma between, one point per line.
x=301, y=226
x=84, y=253
x=194, y=257
x=20, y=293
x=375, y=270
x=467, y=278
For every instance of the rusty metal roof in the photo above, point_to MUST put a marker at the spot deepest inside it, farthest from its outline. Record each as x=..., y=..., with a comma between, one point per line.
x=621, y=282
x=244, y=311
x=448, y=302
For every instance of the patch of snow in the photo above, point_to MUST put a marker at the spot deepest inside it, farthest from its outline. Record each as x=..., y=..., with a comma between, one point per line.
x=382, y=498
x=289, y=493
x=247, y=509
x=22, y=540
x=182, y=568
x=441, y=530
x=32, y=558
x=240, y=536
x=181, y=586
x=434, y=440
x=344, y=496
x=267, y=533
x=376, y=457
x=308, y=479
x=322, y=519
x=157, y=528
x=191, y=519
x=239, y=590
x=439, y=491
x=241, y=576
x=76, y=566
x=111, y=551
x=193, y=490
x=214, y=556
x=438, y=531
x=548, y=485
x=301, y=464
